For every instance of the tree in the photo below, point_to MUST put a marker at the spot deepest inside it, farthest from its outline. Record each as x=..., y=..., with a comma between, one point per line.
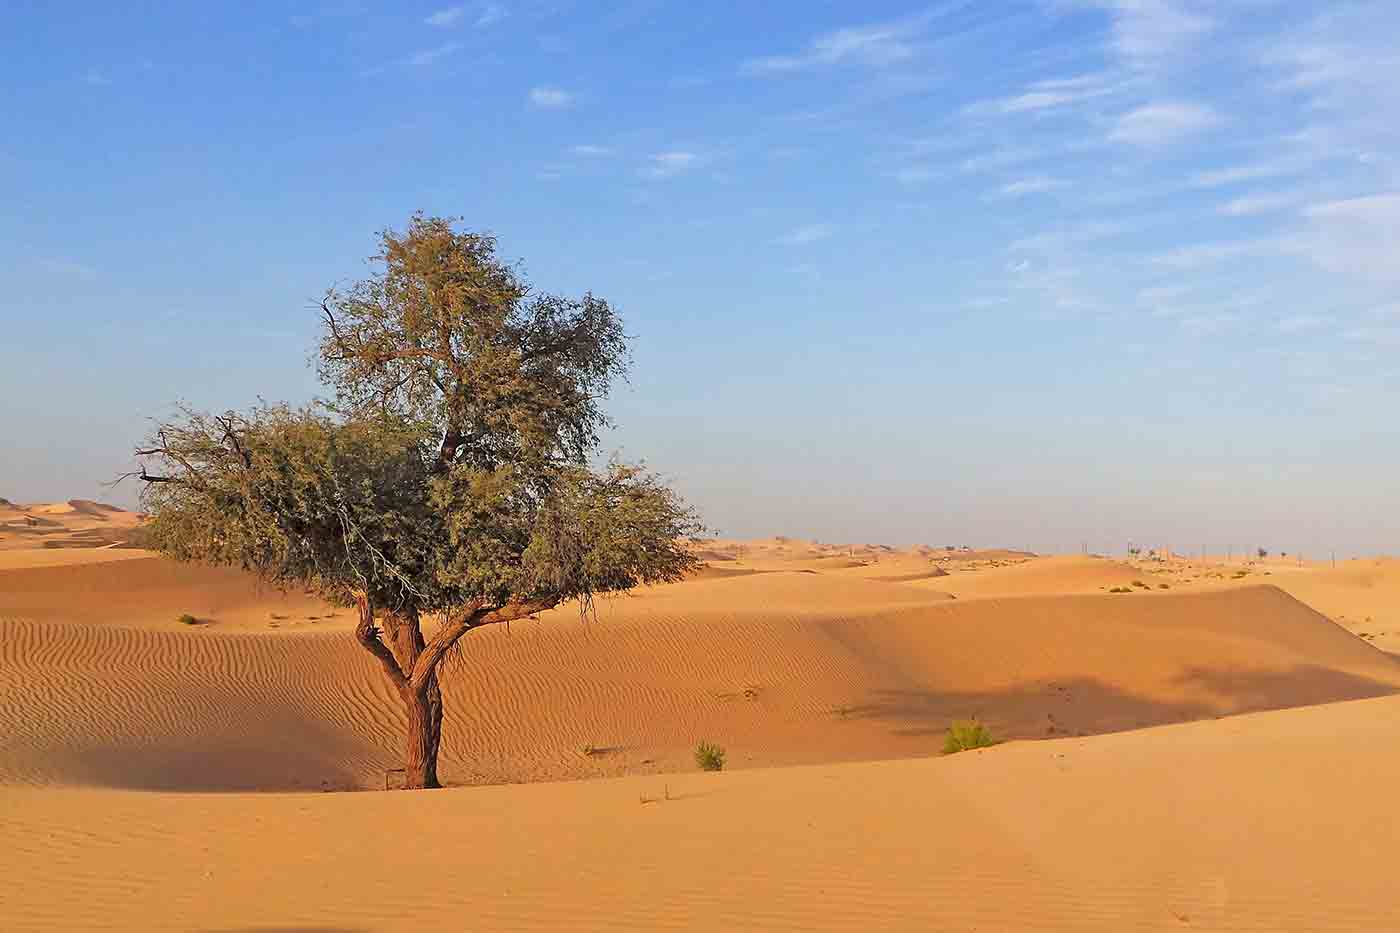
x=448, y=477
x=1263, y=553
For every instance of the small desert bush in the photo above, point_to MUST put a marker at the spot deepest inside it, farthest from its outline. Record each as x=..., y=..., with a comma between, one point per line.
x=709, y=757
x=963, y=736
x=1141, y=585
x=188, y=619
x=1120, y=589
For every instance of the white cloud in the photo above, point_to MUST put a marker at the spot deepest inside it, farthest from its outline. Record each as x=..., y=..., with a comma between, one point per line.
x=448, y=17
x=1145, y=32
x=667, y=164
x=877, y=45
x=590, y=151
x=490, y=14
x=1164, y=123
x=1260, y=204
x=429, y=56
x=1358, y=236
x=1037, y=184
x=1205, y=254
x=1048, y=95
x=1063, y=238
x=810, y=233
x=999, y=158
x=1250, y=172
x=551, y=98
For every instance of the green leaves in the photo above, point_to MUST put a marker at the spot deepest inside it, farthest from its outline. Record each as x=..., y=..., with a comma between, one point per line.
x=449, y=335
x=450, y=471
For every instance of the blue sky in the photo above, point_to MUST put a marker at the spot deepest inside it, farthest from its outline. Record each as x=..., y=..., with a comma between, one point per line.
x=1030, y=273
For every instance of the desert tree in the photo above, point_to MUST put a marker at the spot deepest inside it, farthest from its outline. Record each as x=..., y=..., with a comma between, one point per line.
x=448, y=478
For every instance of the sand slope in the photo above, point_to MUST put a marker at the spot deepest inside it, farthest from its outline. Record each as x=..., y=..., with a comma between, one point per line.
x=1276, y=821
x=100, y=686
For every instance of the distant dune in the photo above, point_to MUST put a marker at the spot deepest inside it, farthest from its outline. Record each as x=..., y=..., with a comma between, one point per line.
x=77, y=523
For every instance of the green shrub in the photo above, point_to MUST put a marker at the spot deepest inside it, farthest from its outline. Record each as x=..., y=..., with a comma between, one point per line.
x=967, y=735
x=709, y=757
x=188, y=619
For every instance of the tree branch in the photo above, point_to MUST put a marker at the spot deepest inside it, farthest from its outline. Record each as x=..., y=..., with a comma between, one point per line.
x=475, y=616
x=368, y=637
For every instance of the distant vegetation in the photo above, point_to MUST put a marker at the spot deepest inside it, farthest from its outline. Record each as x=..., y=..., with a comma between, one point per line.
x=188, y=619
x=964, y=736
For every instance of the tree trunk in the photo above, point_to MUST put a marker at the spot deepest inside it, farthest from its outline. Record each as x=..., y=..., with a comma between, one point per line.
x=424, y=734
x=404, y=634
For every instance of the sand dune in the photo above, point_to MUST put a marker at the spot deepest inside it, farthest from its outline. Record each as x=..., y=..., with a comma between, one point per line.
x=1275, y=821
x=77, y=523
x=99, y=685
x=846, y=662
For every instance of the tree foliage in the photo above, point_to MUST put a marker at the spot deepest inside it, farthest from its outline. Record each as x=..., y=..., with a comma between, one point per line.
x=451, y=473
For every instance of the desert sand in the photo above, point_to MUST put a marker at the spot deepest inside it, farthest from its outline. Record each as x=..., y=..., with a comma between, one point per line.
x=1189, y=745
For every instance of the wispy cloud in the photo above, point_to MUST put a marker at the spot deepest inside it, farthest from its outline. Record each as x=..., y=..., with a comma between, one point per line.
x=1253, y=171
x=876, y=45
x=430, y=56
x=917, y=175
x=1358, y=236
x=1163, y=123
x=810, y=233
x=1145, y=32
x=1049, y=94
x=667, y=164
x=1205, y=254
x=550, y=98
x=999, y=158
x=1261, y=204
x=449, y=17
x=1037, y=184
x=590, y=151
x=490, y=15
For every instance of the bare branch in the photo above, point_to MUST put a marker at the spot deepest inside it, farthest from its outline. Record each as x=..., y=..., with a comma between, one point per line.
x=368, y=637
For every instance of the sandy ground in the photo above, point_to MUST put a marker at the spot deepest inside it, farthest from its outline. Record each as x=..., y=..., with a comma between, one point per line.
x=829, y=673
x=1274, y=821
